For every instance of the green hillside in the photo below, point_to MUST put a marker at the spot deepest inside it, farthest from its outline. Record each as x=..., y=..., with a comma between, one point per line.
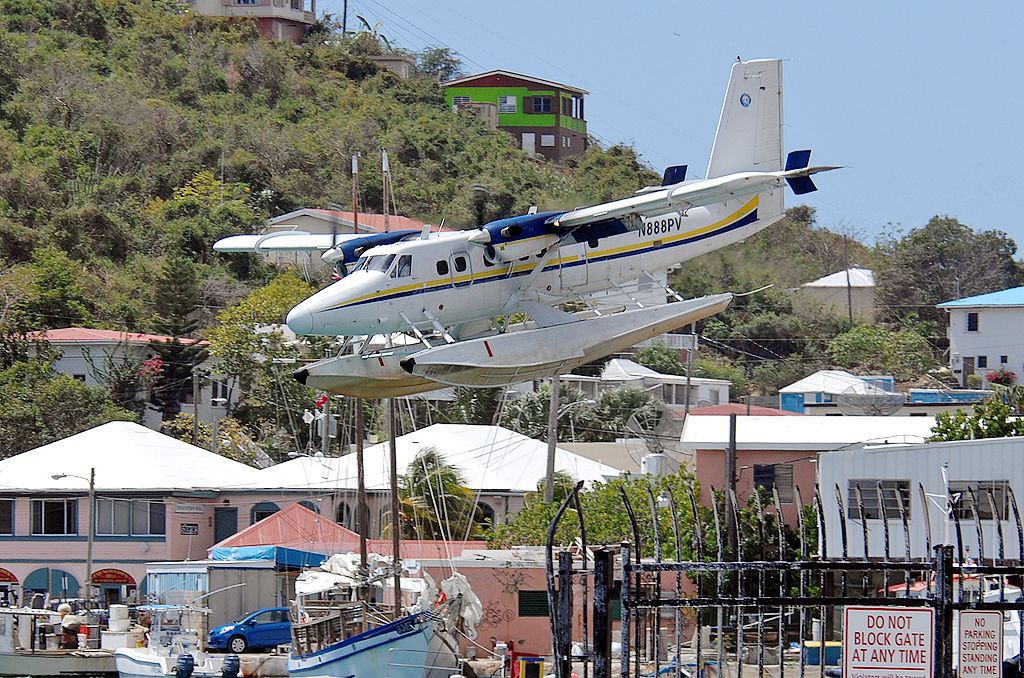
x=135, y=134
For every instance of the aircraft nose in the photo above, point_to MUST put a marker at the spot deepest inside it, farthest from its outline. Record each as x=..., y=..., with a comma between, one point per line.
x=300, y=320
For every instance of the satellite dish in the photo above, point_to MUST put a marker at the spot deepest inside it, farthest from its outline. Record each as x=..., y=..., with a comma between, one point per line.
x=876, y=403
x=637, y=430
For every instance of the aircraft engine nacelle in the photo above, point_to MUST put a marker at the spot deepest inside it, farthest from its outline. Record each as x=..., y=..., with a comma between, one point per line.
x=349, y=249
x=517, y=237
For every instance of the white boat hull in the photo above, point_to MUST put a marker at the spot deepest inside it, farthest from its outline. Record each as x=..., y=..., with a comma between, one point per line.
x=141, y=663
x=91, y=663
x=402, y=649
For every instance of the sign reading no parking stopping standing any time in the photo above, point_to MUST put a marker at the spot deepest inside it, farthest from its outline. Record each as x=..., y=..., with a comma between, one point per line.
x=888, y=642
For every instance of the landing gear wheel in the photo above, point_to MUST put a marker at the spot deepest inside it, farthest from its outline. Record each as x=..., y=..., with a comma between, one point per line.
x=237, y=644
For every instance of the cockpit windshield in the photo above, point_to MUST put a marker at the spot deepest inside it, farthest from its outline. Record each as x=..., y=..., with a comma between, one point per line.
x=380, y=262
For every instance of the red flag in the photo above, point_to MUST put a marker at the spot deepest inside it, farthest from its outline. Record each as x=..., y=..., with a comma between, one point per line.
x=322, y=400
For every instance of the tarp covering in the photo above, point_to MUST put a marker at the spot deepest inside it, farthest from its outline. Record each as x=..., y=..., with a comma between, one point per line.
x=281, y=556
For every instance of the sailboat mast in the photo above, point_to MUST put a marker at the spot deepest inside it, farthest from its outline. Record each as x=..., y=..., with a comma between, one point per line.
x=395, y=522
x=363, y=513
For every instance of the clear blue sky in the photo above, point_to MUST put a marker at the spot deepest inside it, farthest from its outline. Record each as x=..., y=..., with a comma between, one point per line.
x=922, y=102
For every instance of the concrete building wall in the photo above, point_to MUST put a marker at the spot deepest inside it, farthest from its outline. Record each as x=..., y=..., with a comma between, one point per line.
x=710, y=471
x=996, y=338
x=921, y=466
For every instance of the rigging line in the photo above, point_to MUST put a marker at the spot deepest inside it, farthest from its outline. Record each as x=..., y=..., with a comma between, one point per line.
x=669, y=126
x=422, y=31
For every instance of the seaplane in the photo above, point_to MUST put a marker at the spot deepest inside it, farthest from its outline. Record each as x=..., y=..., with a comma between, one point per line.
x=483, y=307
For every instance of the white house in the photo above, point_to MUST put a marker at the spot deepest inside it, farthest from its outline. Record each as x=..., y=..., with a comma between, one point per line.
x=984, y=333
x=85, y=351
x=841, y=293
x=326, y=222
x=670, y=388
x=913, y=474
x=499, y=465
x=826, y=386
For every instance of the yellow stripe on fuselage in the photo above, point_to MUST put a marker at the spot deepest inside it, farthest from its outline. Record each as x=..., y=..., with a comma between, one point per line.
x=519, y=268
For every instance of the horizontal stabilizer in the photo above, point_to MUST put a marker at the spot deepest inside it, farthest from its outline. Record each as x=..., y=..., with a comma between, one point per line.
x=676, y=174
x=801, y=185
x=798, y=159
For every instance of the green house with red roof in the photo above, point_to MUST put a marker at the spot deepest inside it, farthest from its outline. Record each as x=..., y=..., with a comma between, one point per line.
x=543, y=116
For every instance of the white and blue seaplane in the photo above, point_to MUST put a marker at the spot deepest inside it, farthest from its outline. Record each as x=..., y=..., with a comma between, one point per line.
x=449, y=296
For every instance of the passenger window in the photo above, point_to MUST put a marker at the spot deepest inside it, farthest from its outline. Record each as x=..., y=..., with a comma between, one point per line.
x=403, y=268
x=460, y=263
x=442, y=267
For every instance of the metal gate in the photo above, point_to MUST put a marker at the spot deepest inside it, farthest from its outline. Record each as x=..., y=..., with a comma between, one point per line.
x=762, y=591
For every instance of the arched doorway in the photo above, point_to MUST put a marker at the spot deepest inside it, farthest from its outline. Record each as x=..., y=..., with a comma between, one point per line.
x=8, y=584
x=113, y=585
x=261, y=510
x=51, y=582
x=310, y=505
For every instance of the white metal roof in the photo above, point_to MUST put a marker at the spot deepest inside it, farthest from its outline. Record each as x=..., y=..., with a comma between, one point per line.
x=126, y=456
x=832, y=381
x=623, y=369
x=488, y=457
x=859, y=277
x=803, y=433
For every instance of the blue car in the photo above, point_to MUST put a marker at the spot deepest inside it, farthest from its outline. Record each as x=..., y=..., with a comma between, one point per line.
x=261, y=629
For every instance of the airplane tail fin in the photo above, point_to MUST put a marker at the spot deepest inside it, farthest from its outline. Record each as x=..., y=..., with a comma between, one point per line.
x=749, y=136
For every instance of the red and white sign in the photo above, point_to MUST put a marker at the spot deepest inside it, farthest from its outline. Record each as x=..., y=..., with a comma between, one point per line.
x=112, y=576
x=888, y=642
x=981, y=644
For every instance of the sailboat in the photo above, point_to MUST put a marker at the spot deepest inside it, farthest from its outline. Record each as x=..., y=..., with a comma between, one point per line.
x=339, y=629
x=338, y=632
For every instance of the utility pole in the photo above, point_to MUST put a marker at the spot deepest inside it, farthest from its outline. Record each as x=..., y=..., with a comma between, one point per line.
x=689, y=367
x=325, y=425
x=730, y=486
x=549, y=479
x=196, y=376
x=849, y=291
x=396, y=559
x=92, y=530
x=344, y=20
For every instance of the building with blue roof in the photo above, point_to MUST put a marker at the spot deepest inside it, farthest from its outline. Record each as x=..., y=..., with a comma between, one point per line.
x=985, y=334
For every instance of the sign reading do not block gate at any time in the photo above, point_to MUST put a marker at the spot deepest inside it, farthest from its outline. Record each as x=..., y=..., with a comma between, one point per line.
x=888, y=642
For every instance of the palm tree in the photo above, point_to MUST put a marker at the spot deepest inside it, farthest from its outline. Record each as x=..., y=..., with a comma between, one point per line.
x=434, y=501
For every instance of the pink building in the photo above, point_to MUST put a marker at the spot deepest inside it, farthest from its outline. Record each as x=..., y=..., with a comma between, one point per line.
x=275, y=19
x=156, y=498
x=782, y=451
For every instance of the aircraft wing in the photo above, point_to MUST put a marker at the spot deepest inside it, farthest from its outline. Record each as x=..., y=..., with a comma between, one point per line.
x=683, y=196
x=284, y=241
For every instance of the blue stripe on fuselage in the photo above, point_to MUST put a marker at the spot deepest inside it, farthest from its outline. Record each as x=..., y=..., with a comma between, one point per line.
x=739, y=223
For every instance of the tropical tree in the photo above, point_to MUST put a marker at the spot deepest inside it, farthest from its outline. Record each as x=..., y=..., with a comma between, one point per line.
x=41, y=406
x=176, y=295
x=435, y=502
x=942, y=260
x=902, y=353
x=990, y=419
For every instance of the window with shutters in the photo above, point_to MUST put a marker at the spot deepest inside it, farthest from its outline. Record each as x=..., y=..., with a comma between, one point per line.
x=6, y=516
x=533, y=604
x=775, y=476
x=992, y=498
x=865, y=491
